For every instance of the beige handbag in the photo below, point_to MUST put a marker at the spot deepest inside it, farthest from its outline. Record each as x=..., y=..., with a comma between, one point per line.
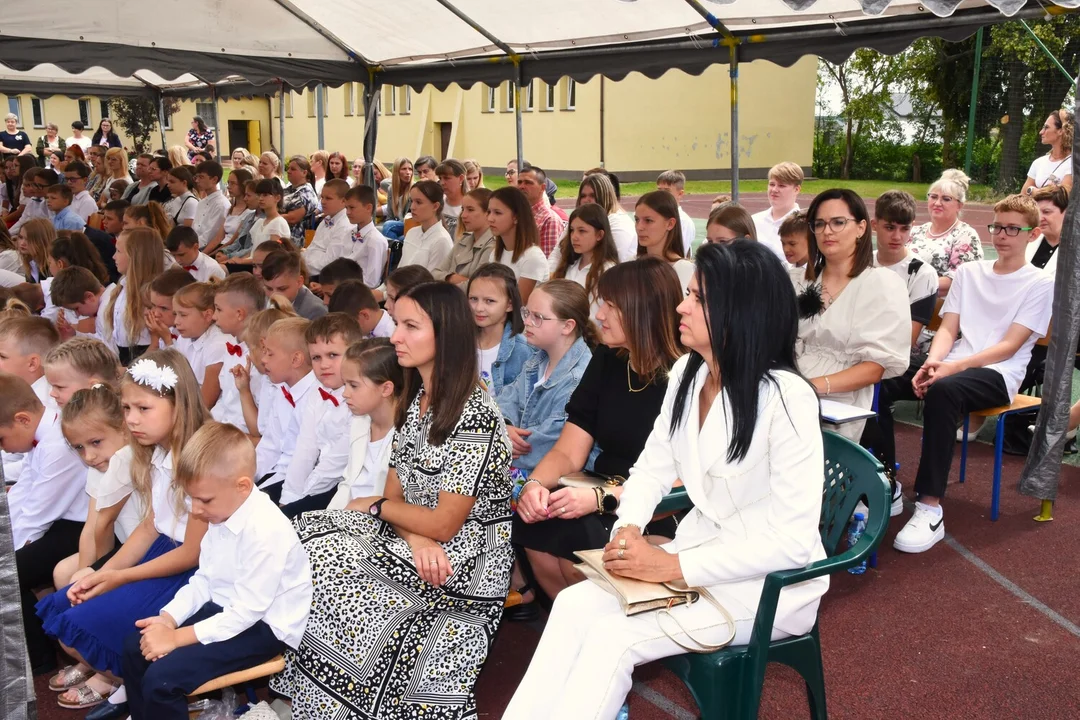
x=639, y=596
x=590, y=480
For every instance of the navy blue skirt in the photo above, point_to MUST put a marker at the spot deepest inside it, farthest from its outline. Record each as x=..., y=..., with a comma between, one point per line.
x=96, y=628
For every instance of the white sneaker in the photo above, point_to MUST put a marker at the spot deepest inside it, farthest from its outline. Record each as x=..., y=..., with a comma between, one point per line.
x=1070, y=435
x=897, y=507
x=923, y=531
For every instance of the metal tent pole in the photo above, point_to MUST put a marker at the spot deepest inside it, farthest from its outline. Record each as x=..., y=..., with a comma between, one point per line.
x=517, y=114
x=371, y=99
x=734, y=123
x=974, y=99
x=319, y=115
x=281, y=123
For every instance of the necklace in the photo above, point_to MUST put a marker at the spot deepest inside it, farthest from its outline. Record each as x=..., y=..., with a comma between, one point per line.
x=630, y=385
x=931, y=234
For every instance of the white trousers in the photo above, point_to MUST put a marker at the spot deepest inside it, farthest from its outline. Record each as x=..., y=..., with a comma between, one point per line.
x=583, y=666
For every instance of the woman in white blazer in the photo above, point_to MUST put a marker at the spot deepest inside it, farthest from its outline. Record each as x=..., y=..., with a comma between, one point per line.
x=740, y=427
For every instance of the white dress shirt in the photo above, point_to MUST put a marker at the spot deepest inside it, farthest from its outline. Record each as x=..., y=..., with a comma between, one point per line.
x=322, y=448
x=206, y=350
x=333, y=239
x=13, y=462
x=170, y=512
x=228, y=408
x=369, y=249
x=83, y=205
x=35, y=208
x=768, y=230
x=689, y=231
x=206, y=268
x=210, y=217
x=52, y=486
x=429, y=248
x=254, y=567
x=385, y=327
x=283, y=427
x=119, y=330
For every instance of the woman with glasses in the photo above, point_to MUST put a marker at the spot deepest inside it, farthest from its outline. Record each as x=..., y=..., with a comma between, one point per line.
x=608, y=419
x=946, y=242
x=854, y=318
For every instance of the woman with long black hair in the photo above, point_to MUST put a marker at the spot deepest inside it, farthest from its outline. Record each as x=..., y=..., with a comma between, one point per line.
x=739, y=426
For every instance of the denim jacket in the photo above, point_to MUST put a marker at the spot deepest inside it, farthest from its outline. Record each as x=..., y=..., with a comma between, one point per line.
x=542, y=408
x=514, y=351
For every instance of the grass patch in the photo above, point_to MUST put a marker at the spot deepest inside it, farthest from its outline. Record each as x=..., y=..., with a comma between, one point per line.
x=865, y=188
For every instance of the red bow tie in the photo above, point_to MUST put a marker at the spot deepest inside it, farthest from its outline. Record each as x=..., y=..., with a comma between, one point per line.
x=174, y=336
x=35, y=442
x=328, y=396
x=288, y=395
x=191, y=268
x=234, y=349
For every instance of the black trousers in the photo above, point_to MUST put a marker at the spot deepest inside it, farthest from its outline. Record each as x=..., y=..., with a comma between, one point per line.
x=946, y=403
x=129, y=355
x=158, y=690
x=309, y=503
x=35, y=563
x=274, y=491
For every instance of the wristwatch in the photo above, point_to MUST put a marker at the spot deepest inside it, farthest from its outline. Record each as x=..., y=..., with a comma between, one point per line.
x=376, y=508
x=607, y=501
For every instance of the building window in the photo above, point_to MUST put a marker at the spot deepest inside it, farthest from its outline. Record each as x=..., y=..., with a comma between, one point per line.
x=37, y=109
x=511, y=93
x=392, y=109
x=349, y=89
x=310, y=95
x=325, y=93
x=84, y=112
x=571, y=94
x=208, y=113
x=166, y=115
x=288, y=103
x=489, y=98
x=105, y=108
x=549, y=96
x=529, y=100
x=406, y=100
x=13, y=108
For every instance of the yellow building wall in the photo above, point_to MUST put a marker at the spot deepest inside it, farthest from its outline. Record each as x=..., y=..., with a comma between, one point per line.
x=677, y=121
x=64, y=110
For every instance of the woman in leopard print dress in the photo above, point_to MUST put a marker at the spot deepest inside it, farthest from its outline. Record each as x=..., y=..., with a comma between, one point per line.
x=409, y=587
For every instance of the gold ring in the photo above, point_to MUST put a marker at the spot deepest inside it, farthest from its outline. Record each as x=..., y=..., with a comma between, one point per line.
x=621, y=554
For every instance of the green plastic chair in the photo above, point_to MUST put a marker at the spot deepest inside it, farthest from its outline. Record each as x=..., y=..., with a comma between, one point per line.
x=727, y=683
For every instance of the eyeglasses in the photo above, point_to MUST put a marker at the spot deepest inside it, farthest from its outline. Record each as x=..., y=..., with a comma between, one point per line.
x=835, y=224
x=534, y=319
x=511, y=172
x=933, y=197
x=1010, y=230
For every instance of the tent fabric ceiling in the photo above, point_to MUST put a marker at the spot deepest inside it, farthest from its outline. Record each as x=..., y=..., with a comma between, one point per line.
x=420, y=42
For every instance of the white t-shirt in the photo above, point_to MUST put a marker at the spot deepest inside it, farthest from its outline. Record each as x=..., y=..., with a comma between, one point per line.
x=988, y=303
x=579, y=275
x=451, y=215
x=685, y=270
x=689, y=231
x=532, y=265
x=1045, y=171
x=83, y=142
x=768, y=231
x=486, y=358
x=922, y=285
x=372, y=477
x=262, y=230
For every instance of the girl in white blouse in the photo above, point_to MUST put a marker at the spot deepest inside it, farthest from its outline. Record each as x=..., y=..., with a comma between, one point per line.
x=373, y=387
x=659, y=232
x=163, y=409
x=587, y=251
x=272, y=227
x=193, y=317
x=739, y=427
x=140, y=257
x=517, y=241
x=855, y=319
x=428, y=244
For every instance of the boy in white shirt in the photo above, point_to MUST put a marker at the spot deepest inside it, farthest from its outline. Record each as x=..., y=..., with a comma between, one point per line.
x=211, y=211
x=236, y=299
x=674, y=182
x=336, y=273
x=894, y=213
x=785, y=182
x=250, y=597
x=78, y=290
x=183, y=244
x=24, y=343
x=993, y=314
x=322, y=450
x=48, y=505
x=82, y=202
x=333, y=237
x=356, y=300
x=369, y=246
x=288, y=365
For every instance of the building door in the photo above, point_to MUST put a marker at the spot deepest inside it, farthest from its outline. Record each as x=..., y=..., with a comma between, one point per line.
x=238, y=136
x=443, y=132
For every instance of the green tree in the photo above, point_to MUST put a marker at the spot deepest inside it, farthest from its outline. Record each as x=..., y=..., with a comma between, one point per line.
x=139, y=118
x=866, y=82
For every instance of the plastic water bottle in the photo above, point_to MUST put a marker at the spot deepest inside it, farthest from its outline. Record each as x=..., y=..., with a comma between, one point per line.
x=855, y=530
x=624, y=713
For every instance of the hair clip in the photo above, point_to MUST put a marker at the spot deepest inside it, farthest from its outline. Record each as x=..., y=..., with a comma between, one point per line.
x=157, y=377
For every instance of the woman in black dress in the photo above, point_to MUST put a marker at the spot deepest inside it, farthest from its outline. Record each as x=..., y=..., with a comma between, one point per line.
x=609, y=417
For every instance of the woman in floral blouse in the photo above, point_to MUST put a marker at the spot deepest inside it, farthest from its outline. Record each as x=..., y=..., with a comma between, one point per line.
x=301, y=204
x=946, y=242
x=198, y=137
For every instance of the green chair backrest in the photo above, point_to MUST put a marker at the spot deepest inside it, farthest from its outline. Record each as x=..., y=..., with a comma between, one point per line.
x=851, y=474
